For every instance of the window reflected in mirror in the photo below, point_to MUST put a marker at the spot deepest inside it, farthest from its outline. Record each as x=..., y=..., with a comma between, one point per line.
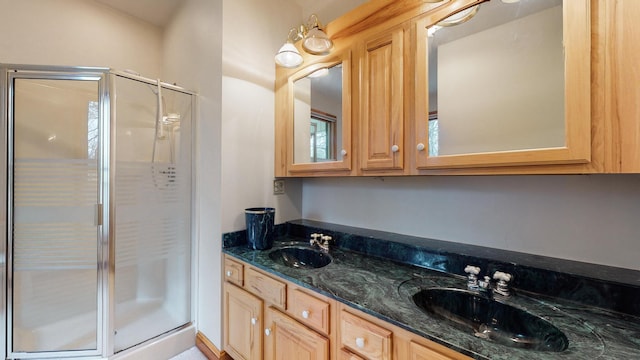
x=318, y=116
x=496, y=78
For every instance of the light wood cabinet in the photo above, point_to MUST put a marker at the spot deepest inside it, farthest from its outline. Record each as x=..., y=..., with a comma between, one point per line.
x=242, y=323
x=381, y=95
x=390, y=95
x=285, y=339
x=309, y=310
x=364, y=337
x=378, y=334
x=575, y=123
x=234, y=272
x=267, y=288
x=309, y=326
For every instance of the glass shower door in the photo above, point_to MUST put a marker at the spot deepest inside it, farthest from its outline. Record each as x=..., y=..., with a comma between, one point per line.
x=152, y=210
x=54, y=197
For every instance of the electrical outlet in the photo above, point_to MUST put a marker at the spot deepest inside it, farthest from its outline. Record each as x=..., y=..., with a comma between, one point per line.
x=278, y=187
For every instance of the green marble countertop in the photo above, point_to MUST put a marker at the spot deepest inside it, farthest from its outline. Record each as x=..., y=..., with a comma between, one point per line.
x=383, y=289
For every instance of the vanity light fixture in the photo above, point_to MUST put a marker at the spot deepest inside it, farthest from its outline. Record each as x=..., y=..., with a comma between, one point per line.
x=288, y=56
x=314, y=41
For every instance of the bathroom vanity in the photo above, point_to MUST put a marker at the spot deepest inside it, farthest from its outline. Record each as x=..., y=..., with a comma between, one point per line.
x=363, y=304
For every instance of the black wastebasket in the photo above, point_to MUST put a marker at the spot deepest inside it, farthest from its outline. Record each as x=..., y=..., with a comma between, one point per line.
x=259, y=227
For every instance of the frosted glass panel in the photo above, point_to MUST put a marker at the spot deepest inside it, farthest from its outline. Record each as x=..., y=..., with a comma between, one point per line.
x=152, y=211
x=54, y=197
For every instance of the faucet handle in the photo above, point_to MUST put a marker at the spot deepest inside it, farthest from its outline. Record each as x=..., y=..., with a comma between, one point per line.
x=472, y=270
x=314, y=238
x=326, y=238
x=502, y=276
x=472, y=278
x=501, y=287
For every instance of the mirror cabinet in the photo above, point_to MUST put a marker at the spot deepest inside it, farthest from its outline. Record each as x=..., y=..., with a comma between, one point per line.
x=313, y=107
x=503, y=84
x=444, y=87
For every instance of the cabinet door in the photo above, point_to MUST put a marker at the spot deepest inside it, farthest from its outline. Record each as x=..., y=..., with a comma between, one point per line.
x=381, y=103
x=242, y=324
x=508, y=95
x=421, y=352
x=287, y=339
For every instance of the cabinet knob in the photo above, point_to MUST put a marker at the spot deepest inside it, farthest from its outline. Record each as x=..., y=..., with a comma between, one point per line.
x=395, y=148
x=420, y=147
x=343, y=152
x=305, y=314
x=254, y=321
x=229, y=272
x=267, y=331
x=360, y=342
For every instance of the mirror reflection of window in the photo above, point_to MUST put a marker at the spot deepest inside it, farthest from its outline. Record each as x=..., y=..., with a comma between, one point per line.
x=496, y=78
x=322, y=136
x=433, y=133
x=318, y=116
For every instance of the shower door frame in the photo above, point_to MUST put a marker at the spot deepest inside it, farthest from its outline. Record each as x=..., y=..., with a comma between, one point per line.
x=110, y=342
x=9, y=74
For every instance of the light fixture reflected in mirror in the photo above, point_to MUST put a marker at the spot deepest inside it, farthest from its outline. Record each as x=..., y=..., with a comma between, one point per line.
x=319, y=73
x=314, y=41
x=455, y=19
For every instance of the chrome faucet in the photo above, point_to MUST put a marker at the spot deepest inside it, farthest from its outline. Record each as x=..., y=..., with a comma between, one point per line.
x=501, y=287
x=323, y=243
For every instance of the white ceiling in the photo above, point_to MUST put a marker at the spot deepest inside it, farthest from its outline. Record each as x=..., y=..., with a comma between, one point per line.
x=157, y=12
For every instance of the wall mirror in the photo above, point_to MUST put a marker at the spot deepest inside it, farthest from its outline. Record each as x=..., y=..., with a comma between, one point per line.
x=317, y=126
x=504, y=80
x=319, y=116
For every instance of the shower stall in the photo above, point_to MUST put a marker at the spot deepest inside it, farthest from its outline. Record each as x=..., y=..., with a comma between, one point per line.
x=97, y=227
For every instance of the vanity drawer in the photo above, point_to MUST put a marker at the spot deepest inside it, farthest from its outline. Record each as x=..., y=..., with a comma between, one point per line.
x=309, y=310
x=272, y=291
x=364, y=338
x=233, y=271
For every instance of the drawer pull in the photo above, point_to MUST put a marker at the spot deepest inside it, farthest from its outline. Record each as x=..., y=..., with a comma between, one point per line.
x=360, y=342
x=229, y=273
x=305, y=314
x=267, y=331
x=254, y=321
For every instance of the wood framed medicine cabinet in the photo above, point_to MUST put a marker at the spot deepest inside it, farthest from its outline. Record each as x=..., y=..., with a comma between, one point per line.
x=600, y=123
x=509, y=91
x=322, y=87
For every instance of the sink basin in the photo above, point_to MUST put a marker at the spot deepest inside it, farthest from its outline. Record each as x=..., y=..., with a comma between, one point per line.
x=492, y=320
x=300, y=257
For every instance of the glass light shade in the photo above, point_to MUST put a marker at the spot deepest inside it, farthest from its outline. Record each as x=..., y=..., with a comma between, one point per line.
x=288, y=56
x=317, y=42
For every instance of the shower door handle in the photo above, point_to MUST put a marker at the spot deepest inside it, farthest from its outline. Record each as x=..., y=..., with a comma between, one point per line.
x=98, y=219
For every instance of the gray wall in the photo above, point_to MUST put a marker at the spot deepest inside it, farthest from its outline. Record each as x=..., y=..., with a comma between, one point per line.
x=591, y=218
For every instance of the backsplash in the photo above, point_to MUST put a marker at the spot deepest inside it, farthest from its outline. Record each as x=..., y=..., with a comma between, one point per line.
x=606, y=287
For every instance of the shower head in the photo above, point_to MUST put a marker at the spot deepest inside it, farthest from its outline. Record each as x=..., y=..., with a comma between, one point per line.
x=171, y=118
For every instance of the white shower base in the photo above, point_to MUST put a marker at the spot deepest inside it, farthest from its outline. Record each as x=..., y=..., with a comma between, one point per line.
x=140, y=318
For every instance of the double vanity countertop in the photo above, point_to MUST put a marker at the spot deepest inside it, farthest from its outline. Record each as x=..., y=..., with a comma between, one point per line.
x=383, y=288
